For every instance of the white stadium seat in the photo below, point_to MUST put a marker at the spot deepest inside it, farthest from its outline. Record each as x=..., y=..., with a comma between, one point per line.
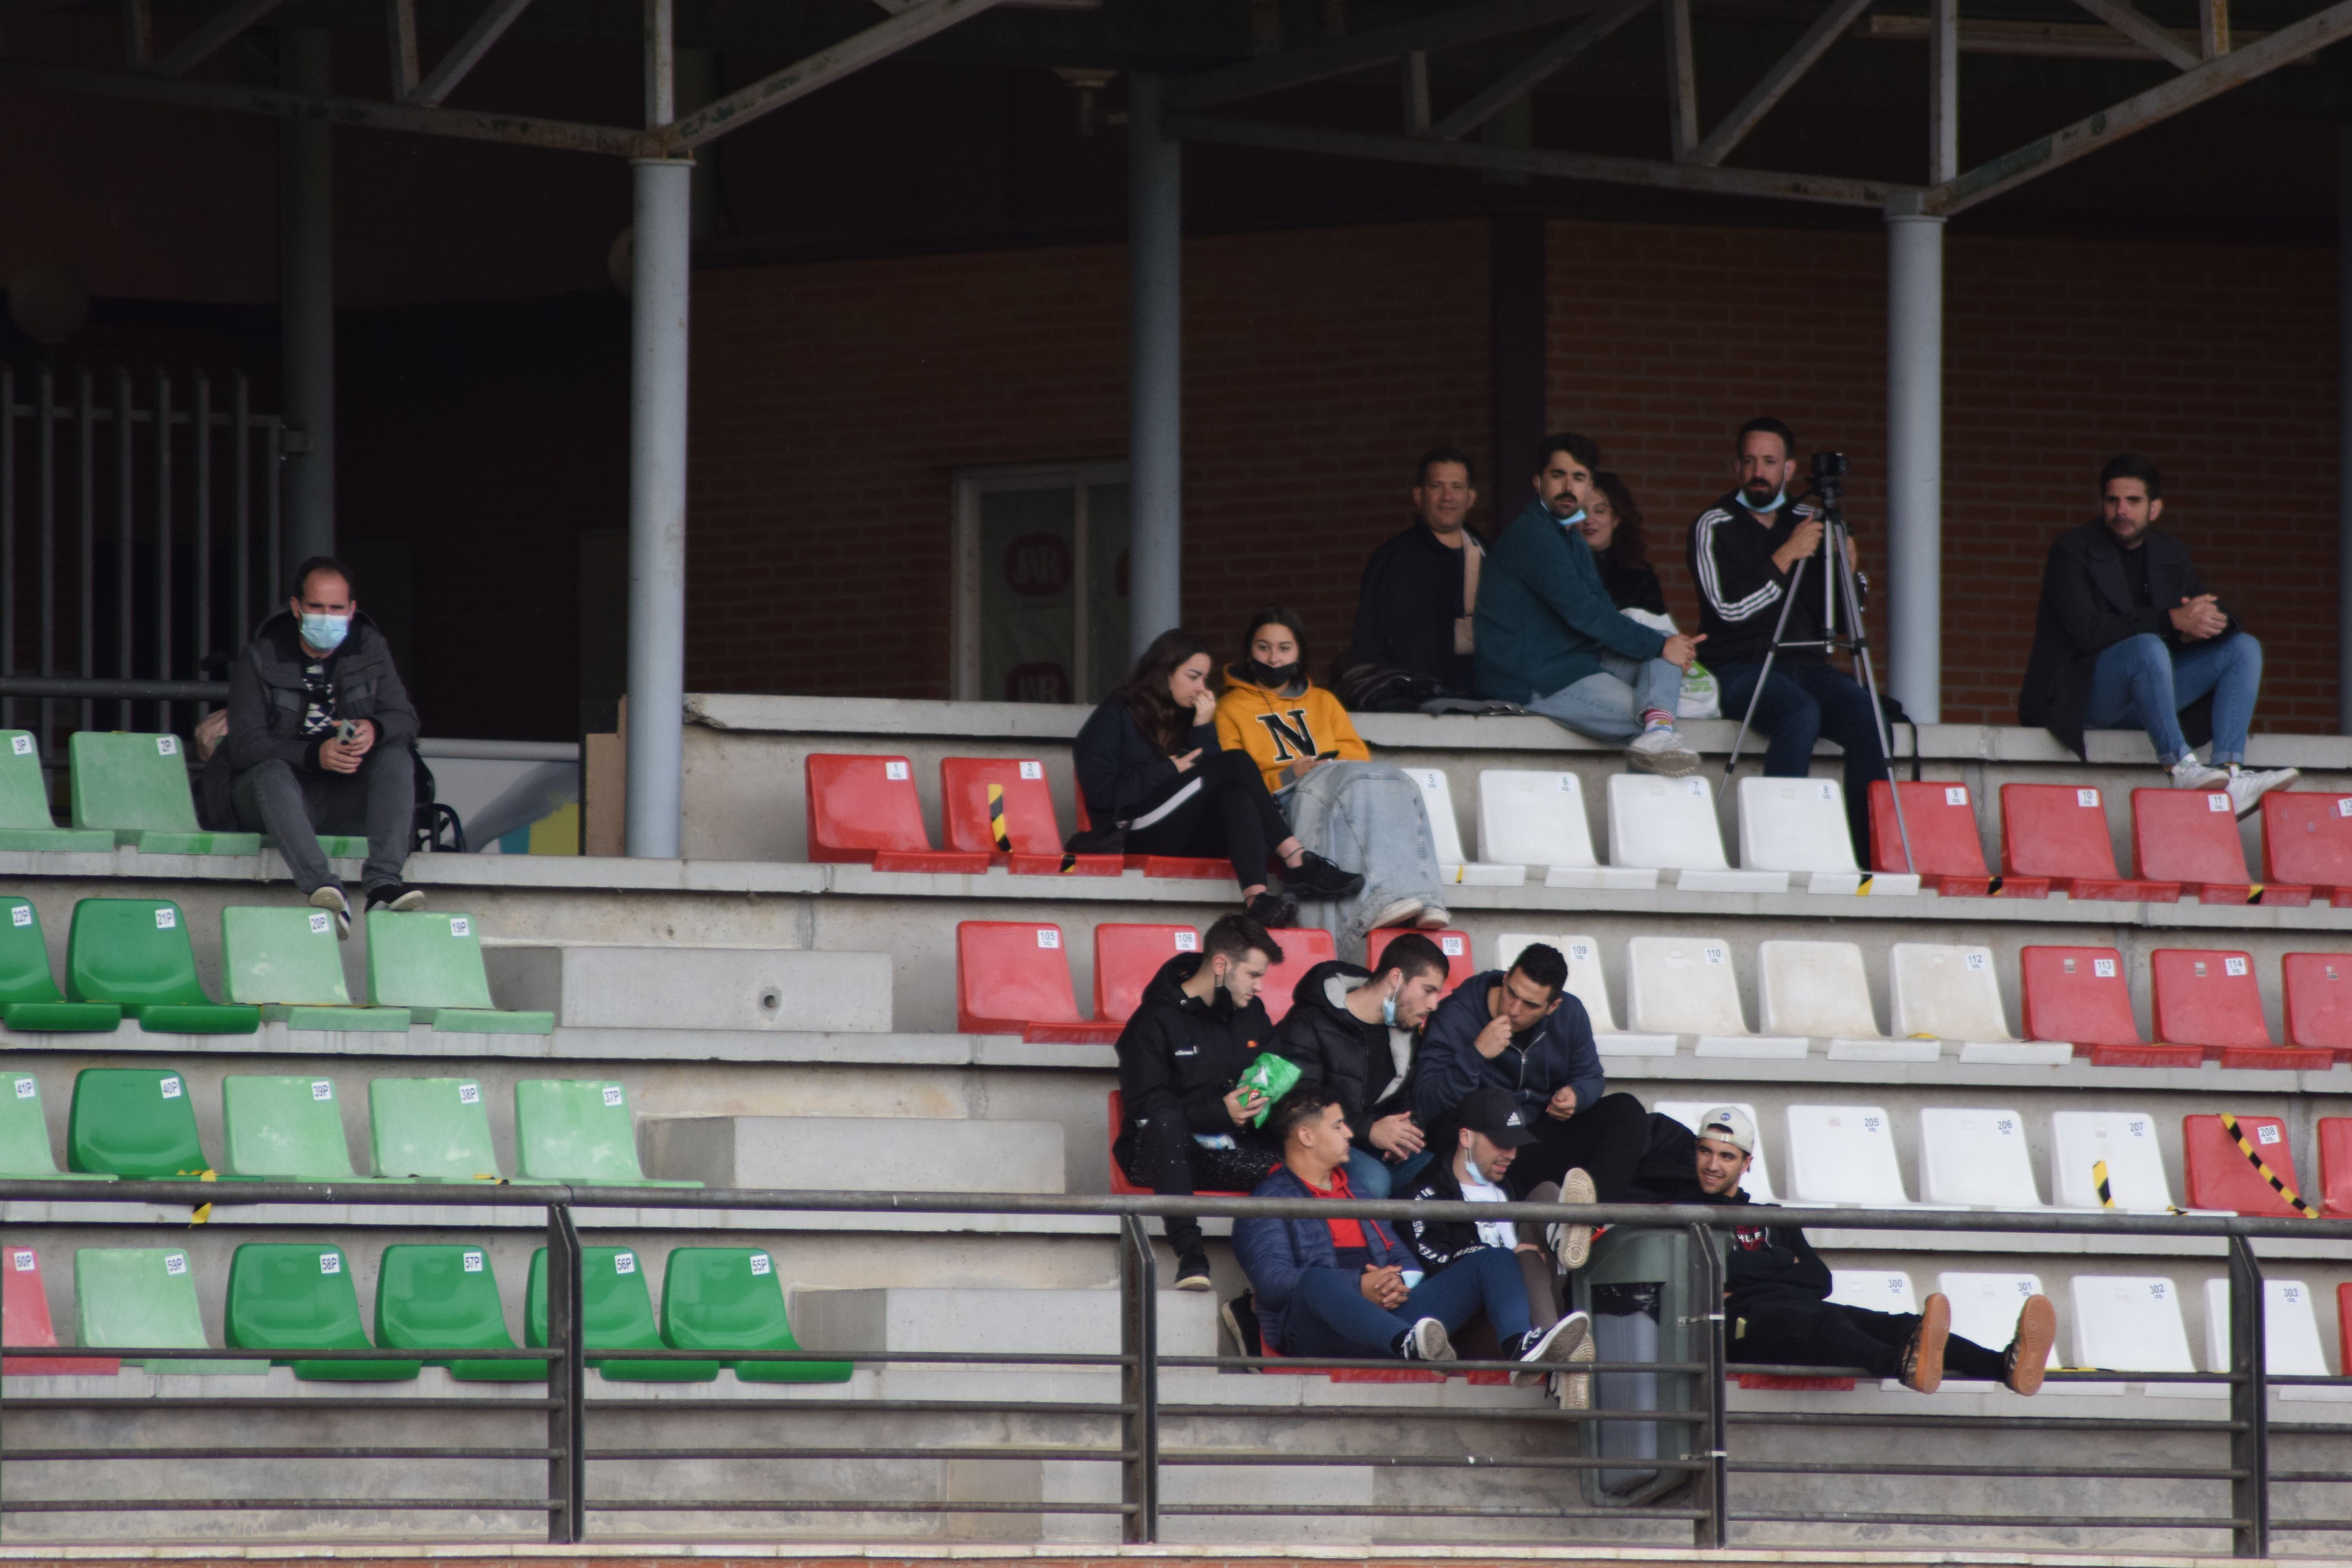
x=1539, y=819
x=2125, y=1141
x=1844, y=1154
x=1757, y=1184
x=1588, y=985
x=1685, y=985
x=2291, y=1339
x=1872, y=1290
x=1445, y=836
x=1798, y=826
x=1670, y=823
x=1953, y=994
x=2128, y=1323
x=1985, y=1308
x=1819, y=989
x=1977, y=1159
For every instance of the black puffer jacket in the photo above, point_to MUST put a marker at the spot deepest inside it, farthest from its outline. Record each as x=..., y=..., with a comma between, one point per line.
x=1180, y=1056
x=1772, y=1264
x=1336, y=1050
x=1438, y=1242
x=267, y=700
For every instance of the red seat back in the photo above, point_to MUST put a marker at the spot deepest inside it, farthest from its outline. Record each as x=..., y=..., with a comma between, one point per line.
x=2078, y=994
x=2318, y=999
x=1303, y=947
x=1011, y=972
x=2186, y=836
x=2055, y=830
x=2219, y=1175
x=858, y=804
x=1454, y=944
x=2208, y=998
x=2307, y=839
x=1943, y=822
x=1027, y=802
x=24, y=1323
x=2335, y=1166
x=1127, y=956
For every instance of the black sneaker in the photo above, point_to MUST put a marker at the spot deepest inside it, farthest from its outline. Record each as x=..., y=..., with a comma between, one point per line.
x=1316, y=877
x=1193, y=1269
x=1240, y=1318
x=1425, y=1341
x=1276, y=911
x=398, y=896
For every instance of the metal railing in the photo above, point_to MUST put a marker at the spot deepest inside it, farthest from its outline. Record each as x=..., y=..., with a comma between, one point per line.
x=1708, y=1502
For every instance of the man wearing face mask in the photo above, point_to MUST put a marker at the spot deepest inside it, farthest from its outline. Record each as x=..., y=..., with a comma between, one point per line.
x=1354, y=1034
x=318, y=734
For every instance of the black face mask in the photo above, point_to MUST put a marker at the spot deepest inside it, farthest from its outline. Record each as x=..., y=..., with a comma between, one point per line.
x=1268, y=676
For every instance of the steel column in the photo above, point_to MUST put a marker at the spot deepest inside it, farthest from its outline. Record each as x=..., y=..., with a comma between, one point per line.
x=659, y=288
x=2250, y=1442
x=1155, y=444
x=567, y=1380
x=1915, y=459
x=1712, y=1531
x=306, y=295
x=1138, y=1299
x=2344, y=429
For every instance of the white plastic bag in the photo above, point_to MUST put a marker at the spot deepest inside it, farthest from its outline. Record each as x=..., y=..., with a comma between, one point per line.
x=1701, y=697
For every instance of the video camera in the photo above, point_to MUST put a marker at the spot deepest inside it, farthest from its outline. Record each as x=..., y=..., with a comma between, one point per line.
x=1829, y=474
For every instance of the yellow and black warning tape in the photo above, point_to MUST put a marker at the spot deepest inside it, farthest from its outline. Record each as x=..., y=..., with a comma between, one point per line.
x=2106, y=1190
x=1000, y=836
x=2263, y=1169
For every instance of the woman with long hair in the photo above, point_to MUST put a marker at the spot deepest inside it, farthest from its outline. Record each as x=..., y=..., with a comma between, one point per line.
x=1612, y=527
x=1149, y=761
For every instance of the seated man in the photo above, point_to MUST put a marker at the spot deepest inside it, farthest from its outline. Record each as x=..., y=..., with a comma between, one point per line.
x=318, y=734
x=1337, y=1286
x=2127, y=635
x=1353, y=1035
x=1412, y=608
x=1777, y=1288
x=1551, y=640
x=1744, y=551
x=1180, y=1058
x=1488, y=1134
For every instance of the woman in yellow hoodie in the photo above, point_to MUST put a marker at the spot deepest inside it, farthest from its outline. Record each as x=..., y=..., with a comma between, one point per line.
x=1361, y=814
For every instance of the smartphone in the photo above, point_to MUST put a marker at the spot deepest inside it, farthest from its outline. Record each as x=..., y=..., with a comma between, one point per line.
x=347, y=730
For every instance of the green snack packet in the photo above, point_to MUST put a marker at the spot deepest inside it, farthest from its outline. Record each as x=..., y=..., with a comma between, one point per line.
x=1272, y=1075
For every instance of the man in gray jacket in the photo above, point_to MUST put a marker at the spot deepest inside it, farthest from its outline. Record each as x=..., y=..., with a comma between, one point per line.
x=318, y=734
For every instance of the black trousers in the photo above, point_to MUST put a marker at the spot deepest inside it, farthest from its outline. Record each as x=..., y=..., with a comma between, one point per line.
x=1815, y=1333
x=1159, y=1152
x=1606, y=1140
x=1231, y=816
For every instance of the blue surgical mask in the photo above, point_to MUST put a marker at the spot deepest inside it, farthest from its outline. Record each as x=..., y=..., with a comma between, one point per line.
x=1780, y=497
x=1575, y=521
x=1388, y=1009
x=325, y=633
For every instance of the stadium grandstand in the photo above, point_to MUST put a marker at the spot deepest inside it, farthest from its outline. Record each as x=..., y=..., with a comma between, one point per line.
x=612, y=835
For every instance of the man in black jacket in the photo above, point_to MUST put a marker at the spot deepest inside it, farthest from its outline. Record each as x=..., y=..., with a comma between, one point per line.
x=2127, y=635
x=318, y=734
x=1490, y=1132
x=1413, y=607
x=1180, y=1058
x=1352, y=1034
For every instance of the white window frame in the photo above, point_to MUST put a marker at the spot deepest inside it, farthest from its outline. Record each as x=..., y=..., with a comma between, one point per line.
x=967, y=486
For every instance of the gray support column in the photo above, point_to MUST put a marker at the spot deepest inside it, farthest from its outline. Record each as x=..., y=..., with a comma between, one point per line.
x=661, y=258
x=306, y=304
x=1912, y=625
x=1155, y=380
x=2344, y=429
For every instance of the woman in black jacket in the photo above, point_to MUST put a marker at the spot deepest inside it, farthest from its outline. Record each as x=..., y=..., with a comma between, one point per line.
x=1149, y=760
x=1612, y=526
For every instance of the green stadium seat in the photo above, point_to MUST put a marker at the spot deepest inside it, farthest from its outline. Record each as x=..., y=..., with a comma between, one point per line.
x=286, y=960
x=442, y=1298
x=578, y=1130
x=431, y=1130
x=26, y=822
x=297, y=1296
x=285, y=1130
x=135, y=952
x=137, y=1122
x=144, y=1298
x=24, y=1133
x=431, y=964
x=30, y=1001
x=617, y=1314
x=136, y=787
x=731, y=1299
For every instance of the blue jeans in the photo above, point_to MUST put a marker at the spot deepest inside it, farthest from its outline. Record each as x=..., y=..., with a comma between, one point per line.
x=1369, y=1176
x=1330, y=1316
x=2145, y=681
x=1807, y=701
x=1609, y=707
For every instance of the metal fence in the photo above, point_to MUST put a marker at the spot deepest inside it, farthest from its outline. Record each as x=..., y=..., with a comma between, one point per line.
x=1709, y=1503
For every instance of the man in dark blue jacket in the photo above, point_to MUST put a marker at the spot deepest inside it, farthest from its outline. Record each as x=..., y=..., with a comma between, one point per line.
x=1338, y=1287
x=1519, y=1031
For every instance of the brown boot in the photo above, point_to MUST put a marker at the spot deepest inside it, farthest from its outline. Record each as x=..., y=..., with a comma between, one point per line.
x=1923, y=1358
x=2028, y=1349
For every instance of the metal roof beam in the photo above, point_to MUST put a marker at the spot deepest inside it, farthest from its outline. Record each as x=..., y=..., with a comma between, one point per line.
x=467, y=52
x=2124, y=18
x=1537, y=68
x=213, y=35
x=400, y=25
x=1339, y=56
x=1767, y=93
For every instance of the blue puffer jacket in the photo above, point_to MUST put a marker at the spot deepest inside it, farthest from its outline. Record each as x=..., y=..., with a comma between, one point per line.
x=1274, y=1253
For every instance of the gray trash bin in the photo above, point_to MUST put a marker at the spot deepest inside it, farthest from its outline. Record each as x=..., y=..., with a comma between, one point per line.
x=1637, y=1288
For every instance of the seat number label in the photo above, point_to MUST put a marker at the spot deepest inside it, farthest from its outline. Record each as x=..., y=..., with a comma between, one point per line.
x=176, y=1263
x=171, y=1089
x=469, y=1094
x=2343, y=806
x=21, y=744
x=22, y=914
x=331, y=1263
x=1580, y=952
x=1976, y=961
x=460, y=926
x=625, y=1263
x=1188, y=942
x=2105, y=968
x=167, y=745
x=1033, y=770
x=24, y=1262
x=1696, y=788
x=2086, y=797
x=1450, y=946
x=612, y=1094
x=2267, y=1135
x=1956, y=795
x=321, y=1088
x=471, y=1262
x=167, y=919
x=897, y=772
x=1049, y=936
x=1712, y=954
x=1568, y=784
x=2233, y=966
x=27, y=1089
x=318, y=923
x=2217, y=803
x=1826, y=790
x=759, y=1264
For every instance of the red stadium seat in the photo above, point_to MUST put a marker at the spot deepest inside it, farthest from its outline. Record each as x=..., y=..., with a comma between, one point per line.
x=2060, y=831
x=1002, y=807
x=24, y=1323
x=2190, y=837
x=864, y=810
x=2221, y=1177
x=1013, y=978
x=1127, y=956
x=2213, y=1001
x=1119, y=1184
x=2319, y=1000
x=1454, y=944
x=2336, y=1167
x=1303, y=947
x=2307, y=841
x=2080, y=995
x=1943, y=822
x=1198, y=868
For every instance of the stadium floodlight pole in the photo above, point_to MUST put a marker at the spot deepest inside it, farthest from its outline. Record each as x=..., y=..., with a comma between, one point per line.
x=1155, y=381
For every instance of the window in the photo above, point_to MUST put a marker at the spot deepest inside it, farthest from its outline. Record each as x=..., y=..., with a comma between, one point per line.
x=1041, y=581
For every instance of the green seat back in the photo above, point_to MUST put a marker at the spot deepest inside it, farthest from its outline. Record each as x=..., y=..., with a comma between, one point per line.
x=617, y=1312
x=575, y=1129
x=732, y=1298
x=432, y=1128
x=297, y=1296
x=23, y=954
x=130, y=783
x=138, y=1122
x=425, y=959
x=289, y=1129
x=131, y=951
x=137, y=1297
x=24, y=792
x=23, y=1128
x=286, y=955
x=442, y=1298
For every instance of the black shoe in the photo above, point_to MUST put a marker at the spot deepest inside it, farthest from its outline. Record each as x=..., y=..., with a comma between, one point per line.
x=1425, y=1341
x=1316, y=877
x=1275, y=911
x=398, y=896
x=1240, y=1318
x=1193, y=1269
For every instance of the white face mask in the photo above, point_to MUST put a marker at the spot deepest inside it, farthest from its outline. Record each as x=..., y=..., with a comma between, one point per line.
x=1388, y=1009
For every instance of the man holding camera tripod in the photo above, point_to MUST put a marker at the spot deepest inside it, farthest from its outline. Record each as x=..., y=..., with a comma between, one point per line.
x=1745, y=553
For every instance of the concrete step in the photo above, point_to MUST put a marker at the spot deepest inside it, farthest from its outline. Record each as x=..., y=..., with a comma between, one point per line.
x=855, y=1153
x=610, y=986
x=903, y=1318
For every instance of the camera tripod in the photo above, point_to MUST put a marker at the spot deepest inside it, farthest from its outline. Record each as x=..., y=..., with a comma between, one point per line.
x=1838, y=589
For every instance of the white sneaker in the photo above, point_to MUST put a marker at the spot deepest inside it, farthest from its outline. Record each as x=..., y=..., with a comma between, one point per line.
x=329, y=897
x=1400, y=912
x=1574, y=1389
x=1662, y=752
x=1434, y=917
x=1427, y=1340
x=1572, y=1243
x=2190, y=774
x=2246, y=790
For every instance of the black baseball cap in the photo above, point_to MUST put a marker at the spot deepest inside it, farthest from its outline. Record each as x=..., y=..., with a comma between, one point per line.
x=1495, y=1113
